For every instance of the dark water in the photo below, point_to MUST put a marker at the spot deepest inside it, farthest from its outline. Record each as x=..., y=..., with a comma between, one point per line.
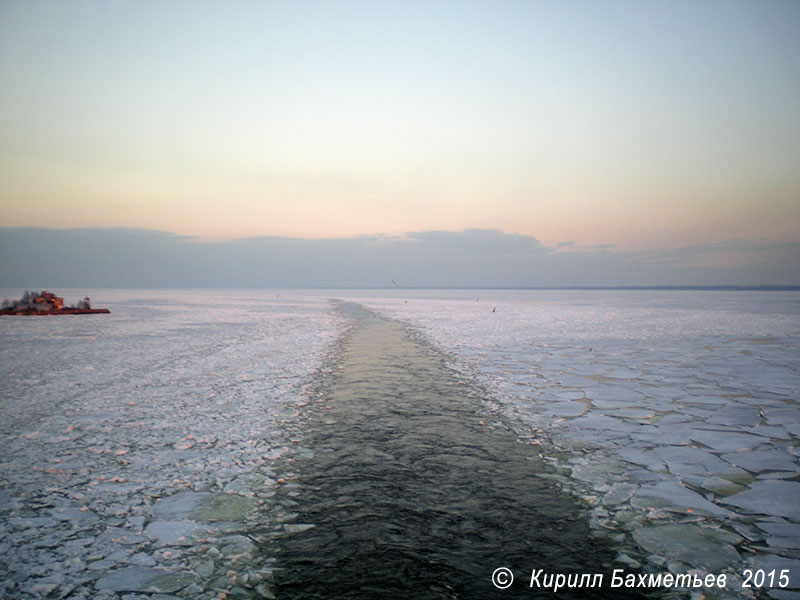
x=414, y=493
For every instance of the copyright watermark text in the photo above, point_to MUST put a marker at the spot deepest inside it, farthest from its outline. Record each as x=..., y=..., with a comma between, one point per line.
x=503, y=578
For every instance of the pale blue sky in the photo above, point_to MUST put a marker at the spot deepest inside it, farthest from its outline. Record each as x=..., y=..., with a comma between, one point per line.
x=640, y=124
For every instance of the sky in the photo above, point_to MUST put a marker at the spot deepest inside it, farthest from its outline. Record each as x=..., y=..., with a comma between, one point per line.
x=635, y=128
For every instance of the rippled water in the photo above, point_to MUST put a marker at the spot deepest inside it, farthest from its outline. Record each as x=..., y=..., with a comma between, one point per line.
x=414, y=490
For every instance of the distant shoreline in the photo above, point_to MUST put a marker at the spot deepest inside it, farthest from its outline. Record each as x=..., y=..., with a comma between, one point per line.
x=722, y=288
x=650, y=288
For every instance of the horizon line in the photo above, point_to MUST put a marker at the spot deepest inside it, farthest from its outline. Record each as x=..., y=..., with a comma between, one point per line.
x=763, y=288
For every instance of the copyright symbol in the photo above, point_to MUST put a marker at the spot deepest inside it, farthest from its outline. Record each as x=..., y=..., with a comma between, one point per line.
x=502, y=578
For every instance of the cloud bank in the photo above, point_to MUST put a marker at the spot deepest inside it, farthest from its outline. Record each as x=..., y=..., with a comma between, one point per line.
x=137, y=258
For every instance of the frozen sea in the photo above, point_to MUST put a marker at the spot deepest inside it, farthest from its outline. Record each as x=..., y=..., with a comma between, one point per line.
x=137, y=449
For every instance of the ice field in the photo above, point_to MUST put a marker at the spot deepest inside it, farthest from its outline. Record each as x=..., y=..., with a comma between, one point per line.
x=137, y=449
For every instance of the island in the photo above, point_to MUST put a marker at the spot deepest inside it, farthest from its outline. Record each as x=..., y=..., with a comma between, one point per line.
x=45, y=303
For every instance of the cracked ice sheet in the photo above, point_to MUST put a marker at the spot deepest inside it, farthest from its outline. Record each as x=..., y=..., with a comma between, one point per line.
x=718, y=370
x=105, y=414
